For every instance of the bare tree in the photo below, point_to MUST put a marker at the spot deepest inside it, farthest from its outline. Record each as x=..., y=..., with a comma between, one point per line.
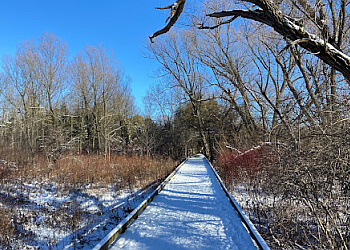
x=52, y=70
x=101, y=96
x=177, y=60
x=23, y=93
x=161, y=102
x=320, y=28
x=218, y=51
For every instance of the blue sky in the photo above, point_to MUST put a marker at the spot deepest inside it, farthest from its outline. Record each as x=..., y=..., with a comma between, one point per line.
x=120, y=25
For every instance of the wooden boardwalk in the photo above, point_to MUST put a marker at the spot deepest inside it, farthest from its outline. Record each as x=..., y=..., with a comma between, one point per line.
x=191, y=212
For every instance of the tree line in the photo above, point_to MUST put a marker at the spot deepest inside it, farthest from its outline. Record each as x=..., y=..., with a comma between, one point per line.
x=50, y=102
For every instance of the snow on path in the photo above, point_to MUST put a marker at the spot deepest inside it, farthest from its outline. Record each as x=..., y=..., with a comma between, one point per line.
x=191, y=212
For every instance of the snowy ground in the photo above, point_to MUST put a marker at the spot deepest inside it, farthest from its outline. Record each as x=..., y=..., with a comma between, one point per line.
x=73, y=203
x=191, y=212
x=51, y=218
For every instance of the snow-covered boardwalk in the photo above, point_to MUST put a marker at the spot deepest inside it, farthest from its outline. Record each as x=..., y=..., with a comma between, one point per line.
x=191, y=212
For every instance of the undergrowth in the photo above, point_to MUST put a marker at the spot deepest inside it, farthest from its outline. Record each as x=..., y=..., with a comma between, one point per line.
x=296, y=197
x=36, y=193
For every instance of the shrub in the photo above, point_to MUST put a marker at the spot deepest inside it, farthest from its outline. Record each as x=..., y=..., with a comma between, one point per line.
x=243, y=166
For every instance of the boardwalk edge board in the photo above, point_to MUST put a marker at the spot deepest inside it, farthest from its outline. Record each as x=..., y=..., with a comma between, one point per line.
x=246, y=222
x=121, y=227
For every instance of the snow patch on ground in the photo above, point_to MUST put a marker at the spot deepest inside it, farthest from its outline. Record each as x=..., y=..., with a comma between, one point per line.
x=52, y=217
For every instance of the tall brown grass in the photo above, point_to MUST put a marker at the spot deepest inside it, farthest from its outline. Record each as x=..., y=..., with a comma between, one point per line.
x=76, y=169
x=70, y=172
x=7, y=230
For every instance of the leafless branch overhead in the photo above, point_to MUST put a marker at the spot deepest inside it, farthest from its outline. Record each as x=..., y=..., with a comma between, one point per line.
x=176, y=10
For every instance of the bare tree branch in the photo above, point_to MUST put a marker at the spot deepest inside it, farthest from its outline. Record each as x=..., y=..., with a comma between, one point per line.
x=176, y=10
x=289, y=28
x=201, y=26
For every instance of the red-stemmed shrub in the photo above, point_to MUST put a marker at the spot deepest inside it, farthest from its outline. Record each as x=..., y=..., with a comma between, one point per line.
x=243, y=165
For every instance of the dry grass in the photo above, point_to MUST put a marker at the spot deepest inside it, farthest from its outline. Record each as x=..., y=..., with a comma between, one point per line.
x=7, y=230
x=72, y=169
x=131, y=171
x=70, y=173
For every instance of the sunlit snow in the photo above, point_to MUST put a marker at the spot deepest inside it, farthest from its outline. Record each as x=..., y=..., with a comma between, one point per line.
x=191, y=212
